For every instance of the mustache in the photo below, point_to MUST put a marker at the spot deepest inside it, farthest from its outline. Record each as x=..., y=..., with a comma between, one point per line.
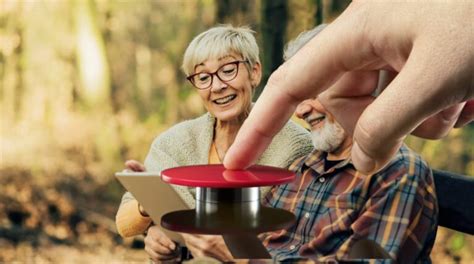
x=309, y=119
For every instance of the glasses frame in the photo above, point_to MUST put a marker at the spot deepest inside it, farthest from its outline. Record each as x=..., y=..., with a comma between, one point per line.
x=237, y=62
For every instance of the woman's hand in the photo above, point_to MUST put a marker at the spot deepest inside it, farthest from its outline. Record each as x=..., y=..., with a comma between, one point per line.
x=207, y=245
x=134, y=165
x=158, y=246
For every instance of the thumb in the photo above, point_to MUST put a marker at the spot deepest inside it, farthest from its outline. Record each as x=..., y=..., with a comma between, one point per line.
x=418, y=92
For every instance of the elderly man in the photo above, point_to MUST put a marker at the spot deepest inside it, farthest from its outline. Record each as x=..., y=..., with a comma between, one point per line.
x=336, y=206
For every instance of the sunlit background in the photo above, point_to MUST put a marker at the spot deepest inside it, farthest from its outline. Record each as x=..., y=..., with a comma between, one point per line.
x=86, y=85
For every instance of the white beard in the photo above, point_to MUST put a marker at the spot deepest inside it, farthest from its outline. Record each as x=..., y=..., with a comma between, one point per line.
x=329, y=137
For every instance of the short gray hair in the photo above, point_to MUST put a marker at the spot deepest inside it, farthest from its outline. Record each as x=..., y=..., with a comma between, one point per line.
x=304, y=37
x=220, y=41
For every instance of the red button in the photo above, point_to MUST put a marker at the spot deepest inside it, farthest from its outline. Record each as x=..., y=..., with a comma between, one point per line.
x=217, y=176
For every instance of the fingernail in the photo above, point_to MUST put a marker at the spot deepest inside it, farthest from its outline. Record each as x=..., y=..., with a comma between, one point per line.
x=172, y=246
x=362, y=161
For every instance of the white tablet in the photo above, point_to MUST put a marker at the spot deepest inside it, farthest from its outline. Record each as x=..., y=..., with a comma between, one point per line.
x=157, y=197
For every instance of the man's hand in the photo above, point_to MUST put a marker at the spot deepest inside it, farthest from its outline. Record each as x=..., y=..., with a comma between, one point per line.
x=207, y=245
x=158, y=246
x=429, y=49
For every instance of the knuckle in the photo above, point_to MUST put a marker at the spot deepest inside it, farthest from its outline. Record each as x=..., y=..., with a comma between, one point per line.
x=278, y=76
x=207, y=248
x=146, y=240
x=368, y=134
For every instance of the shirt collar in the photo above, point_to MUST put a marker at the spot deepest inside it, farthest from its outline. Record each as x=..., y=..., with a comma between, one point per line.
x=316, y=160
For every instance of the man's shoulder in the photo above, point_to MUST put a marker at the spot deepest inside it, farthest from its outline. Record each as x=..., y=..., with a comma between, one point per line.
x=292, y=142
x=407, y=157
x=408, y=161
x=293, y=131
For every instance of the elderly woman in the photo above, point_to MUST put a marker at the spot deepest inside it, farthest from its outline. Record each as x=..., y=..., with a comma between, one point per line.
x=223, y=65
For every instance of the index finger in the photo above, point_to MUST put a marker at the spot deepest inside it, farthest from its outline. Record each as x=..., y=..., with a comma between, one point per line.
x=327, y=58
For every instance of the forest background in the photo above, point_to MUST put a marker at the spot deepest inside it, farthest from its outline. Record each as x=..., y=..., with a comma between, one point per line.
x=86, y=85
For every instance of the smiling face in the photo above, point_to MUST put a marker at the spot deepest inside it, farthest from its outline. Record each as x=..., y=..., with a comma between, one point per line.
x=229, y=100
x=326, y=133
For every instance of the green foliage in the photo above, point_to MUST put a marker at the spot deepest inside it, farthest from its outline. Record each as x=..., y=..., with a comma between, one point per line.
x=454, y=153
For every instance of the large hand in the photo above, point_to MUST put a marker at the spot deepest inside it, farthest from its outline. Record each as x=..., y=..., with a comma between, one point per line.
x=207, y=245
x=158, y=246
x=428, y=45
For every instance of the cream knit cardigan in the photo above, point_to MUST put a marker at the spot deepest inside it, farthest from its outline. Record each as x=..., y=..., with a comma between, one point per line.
x=189, y=142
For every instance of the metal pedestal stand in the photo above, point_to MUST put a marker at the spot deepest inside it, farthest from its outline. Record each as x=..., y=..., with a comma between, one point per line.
x=224, y=208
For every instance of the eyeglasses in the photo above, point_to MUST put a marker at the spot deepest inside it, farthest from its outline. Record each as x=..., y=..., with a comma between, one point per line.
x=225, y=73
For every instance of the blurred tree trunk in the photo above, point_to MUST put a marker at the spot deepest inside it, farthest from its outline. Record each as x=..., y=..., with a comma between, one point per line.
x=319, y=19
x=109, y=50
x=273, y=24
x=236, y=12
x=19, y=69
x=169, y=44
x=12, y=86
x=326, y=10
x=337, y=7
x=143, y=62
x=91, y=57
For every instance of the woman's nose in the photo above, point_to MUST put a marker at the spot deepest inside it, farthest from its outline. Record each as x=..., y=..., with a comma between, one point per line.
x=217, y=85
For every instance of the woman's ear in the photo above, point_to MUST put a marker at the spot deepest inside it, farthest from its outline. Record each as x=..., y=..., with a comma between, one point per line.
x=256, y=75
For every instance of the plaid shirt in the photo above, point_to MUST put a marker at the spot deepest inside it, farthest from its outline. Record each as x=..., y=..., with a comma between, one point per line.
x=335, y=206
